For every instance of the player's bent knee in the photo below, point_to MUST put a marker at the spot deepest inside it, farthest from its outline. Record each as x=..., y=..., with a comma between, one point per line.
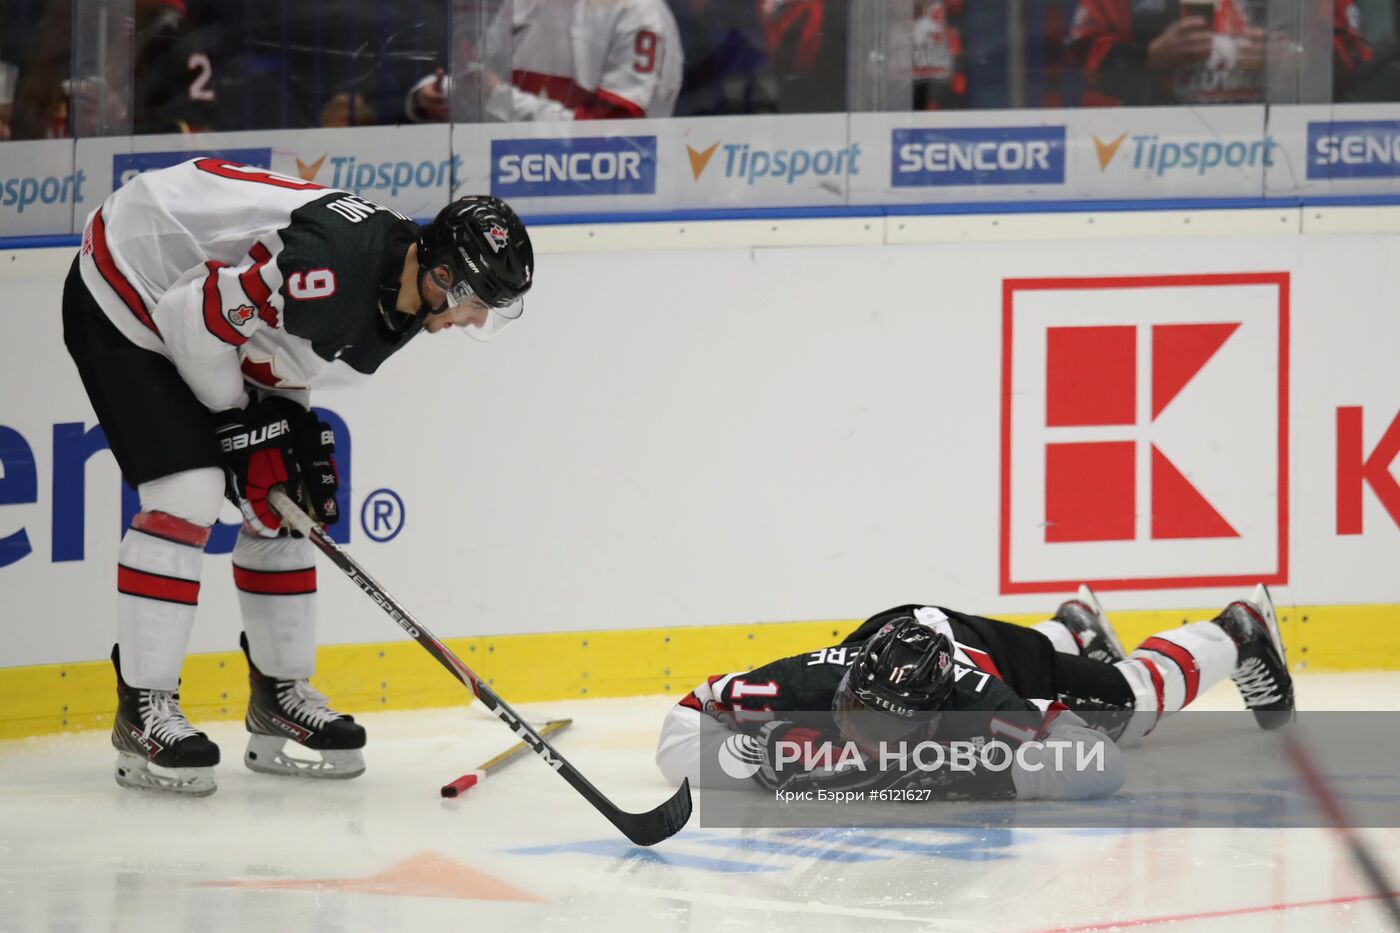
x=193, y=496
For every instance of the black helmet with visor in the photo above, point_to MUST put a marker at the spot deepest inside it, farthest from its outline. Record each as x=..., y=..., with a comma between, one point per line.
x=477, y=249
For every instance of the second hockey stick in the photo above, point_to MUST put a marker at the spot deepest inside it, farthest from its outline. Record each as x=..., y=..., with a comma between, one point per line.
x=472, y=778
x=644, y=829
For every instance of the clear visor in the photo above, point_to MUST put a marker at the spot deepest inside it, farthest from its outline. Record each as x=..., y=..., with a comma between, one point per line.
x=481, y=328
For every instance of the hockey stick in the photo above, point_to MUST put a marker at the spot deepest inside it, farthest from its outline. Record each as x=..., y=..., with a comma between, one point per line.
x=474, y=777
x=644, y=829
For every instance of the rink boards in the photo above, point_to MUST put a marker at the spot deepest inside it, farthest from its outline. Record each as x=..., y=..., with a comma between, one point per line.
x=792, y=419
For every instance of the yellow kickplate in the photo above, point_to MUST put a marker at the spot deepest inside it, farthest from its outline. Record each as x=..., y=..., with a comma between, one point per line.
x=616, y=663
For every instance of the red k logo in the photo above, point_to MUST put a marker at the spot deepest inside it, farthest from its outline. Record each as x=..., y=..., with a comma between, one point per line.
x=1144, y=431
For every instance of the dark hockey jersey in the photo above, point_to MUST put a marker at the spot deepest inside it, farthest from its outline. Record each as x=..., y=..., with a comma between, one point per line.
x=238, y=273
x=981, y=708
x=1018, y=656
x=806, y=683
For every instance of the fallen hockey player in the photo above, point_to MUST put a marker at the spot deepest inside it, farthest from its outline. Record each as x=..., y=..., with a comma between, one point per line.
x=899, y=673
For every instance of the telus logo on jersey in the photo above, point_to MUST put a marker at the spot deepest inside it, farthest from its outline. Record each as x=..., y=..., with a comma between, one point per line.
x=999, y=155
x=1144, y=432
x=1354, y=149
x=74, y=444
x=554, y=168
x=127, y=165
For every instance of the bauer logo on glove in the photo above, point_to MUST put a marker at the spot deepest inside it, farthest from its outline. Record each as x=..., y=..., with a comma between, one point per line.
x=277, y=442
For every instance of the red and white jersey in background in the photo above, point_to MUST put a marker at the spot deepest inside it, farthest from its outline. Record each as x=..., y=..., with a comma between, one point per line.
x=586, y=59
x=235, y=273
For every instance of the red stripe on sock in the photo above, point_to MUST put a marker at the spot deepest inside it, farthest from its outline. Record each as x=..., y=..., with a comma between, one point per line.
x=171, y=528
x=275, y=582
x=134, y=582
x=1156, y=675
x=1182, y=658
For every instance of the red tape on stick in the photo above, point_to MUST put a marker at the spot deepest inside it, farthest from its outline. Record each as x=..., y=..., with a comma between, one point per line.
x=459, y=786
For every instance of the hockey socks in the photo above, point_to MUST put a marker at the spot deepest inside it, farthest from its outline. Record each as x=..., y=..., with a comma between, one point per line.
x=1169, y=670
x=158, y=570
x=276, y=582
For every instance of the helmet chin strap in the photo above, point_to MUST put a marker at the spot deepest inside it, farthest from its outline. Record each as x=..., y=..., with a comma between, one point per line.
x=424, y=309
x=400, y=322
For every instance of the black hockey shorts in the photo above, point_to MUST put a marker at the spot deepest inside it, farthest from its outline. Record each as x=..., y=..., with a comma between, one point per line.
x=153, y=422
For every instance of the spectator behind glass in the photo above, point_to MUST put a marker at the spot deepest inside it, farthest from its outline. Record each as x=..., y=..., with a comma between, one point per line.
x=726, y=66
x=807, y=43
x=569, y=60
x=940, y=76
x=326, y=63
x=172, y=78
x=1138, y=52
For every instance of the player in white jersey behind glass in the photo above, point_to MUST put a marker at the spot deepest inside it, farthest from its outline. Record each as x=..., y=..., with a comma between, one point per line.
x=570, y=60
x=205, y=303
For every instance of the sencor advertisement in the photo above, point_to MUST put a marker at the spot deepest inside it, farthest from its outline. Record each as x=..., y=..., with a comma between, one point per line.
x=1170, y=419
x=573, y=166
x=1003, y=155
x=1354, y=149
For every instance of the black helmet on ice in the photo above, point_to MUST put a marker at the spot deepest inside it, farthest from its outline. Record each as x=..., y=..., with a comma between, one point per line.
x=897, y=683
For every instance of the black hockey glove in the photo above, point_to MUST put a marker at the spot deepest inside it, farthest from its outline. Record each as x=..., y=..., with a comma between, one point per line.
x=258, y=444
x=314, y=443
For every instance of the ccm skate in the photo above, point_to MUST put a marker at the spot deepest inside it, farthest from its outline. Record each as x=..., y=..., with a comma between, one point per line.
x=157, y=748
x=292, y=711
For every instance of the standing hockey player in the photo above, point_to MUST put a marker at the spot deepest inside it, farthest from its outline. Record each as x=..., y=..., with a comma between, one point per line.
x=206, y=301
x=549, y=60
x=1071, y=662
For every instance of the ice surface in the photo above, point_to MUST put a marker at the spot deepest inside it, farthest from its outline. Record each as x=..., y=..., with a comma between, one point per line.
x=523, y=852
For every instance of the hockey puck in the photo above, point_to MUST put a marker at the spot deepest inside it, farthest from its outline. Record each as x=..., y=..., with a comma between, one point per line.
x=459, y=786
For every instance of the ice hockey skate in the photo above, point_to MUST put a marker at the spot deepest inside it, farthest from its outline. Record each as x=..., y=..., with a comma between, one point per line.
x=291, y=713
x=1085, y=619
x=157, y=748
x=1261, y=672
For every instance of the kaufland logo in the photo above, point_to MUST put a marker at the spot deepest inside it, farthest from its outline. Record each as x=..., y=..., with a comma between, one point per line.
x=753, y=164
x=586, y=165
x=1144, y=431
x=1354, y=149
x=993, y=155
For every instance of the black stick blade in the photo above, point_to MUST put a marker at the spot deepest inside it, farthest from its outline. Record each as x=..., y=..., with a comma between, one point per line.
x=647, y=829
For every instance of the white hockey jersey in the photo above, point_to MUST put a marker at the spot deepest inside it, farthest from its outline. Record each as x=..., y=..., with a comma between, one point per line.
x=236, y=273
x=585, y=59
